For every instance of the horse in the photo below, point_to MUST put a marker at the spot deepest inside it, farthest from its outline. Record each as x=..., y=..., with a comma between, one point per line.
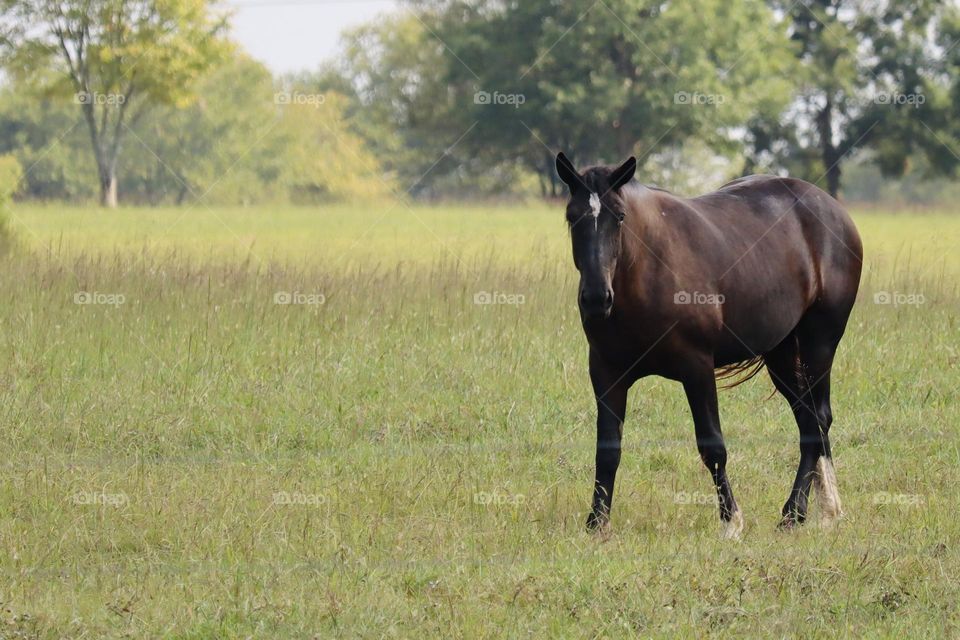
x=762, y=272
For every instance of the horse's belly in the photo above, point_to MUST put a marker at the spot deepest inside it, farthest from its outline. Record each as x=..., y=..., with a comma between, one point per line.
x=764, y=299
x=754, y=327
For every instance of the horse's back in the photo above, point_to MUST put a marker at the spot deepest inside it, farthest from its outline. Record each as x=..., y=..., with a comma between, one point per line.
x=820, y=228
x=827, y=228
x=765, y=243
x=744, y=180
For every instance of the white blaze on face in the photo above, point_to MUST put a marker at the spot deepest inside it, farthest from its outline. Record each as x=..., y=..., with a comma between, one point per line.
x=595, y=208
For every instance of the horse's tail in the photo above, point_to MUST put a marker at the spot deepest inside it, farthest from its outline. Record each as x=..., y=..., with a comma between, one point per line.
x=747, y=368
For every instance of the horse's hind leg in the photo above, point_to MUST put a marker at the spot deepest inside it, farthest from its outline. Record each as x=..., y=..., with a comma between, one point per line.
x=800, y=368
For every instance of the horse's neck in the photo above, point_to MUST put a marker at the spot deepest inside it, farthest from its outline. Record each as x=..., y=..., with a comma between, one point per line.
x=643, y=221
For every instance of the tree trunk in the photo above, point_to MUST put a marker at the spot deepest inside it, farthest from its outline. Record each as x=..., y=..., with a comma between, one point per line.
x=833, y=180
x=543, y=172
x=829, y=153
x=108, y=188
x=106, y=167
x=106, y=150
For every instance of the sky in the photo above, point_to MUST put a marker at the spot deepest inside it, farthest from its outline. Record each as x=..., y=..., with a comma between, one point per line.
x=296, y=35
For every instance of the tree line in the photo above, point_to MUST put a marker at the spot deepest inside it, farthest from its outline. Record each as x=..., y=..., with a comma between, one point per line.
x=149, y=101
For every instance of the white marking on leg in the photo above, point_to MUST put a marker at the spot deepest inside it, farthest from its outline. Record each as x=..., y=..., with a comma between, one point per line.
x=595, y=208
x=733, y=528
x=828, y=496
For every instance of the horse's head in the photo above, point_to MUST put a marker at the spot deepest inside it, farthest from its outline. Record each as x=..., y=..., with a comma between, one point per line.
x=595, y=215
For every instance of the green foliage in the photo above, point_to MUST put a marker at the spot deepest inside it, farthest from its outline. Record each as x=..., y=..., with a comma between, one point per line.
x=918, y=187
x=464, y=98
x=49, y=139
x=390, y=71
x=141, y=49
x=601, y=82
x=322, y=159
x=771, y=86
x=217, y=148
x=115, y=59
x=10, y=175
x=872, y=76
x=236, y=143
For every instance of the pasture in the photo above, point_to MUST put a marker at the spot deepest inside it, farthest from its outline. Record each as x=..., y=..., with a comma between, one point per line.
x=377, y=422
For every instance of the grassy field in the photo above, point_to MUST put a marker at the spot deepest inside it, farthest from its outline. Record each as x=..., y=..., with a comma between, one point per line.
x=298, y=423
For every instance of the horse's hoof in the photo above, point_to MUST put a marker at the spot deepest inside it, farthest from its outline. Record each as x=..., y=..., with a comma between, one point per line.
x=598, y=523
x=733, y=527
x=830, y=520
x=789, y=522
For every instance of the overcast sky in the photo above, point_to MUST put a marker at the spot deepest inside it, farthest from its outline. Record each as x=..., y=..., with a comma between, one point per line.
x=295, y=35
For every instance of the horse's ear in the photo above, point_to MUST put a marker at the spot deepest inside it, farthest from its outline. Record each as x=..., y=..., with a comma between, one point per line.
x=567, y=173
x=623, y=174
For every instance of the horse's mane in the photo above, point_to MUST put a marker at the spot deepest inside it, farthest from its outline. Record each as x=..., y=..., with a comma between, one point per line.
x=597, y=179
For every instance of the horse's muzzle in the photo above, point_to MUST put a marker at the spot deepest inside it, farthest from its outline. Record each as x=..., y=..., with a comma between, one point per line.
x=596, y=304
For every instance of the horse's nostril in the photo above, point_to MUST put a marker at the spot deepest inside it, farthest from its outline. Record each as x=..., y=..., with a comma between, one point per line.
x=596, y=301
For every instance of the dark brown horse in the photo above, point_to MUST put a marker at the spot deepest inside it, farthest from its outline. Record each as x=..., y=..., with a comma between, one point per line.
x=763, y=271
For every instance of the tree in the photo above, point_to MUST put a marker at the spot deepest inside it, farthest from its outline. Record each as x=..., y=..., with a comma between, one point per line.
x=947, y=156
x=871, y=78
x=48, y=139
x=397, y=103
x=222, y=147
x=604, y=80
x=323, y=160
x=117, y=58
x=245, y=139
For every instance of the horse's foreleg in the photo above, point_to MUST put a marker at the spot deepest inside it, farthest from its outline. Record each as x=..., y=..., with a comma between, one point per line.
x=611, y=396
x=701, y=390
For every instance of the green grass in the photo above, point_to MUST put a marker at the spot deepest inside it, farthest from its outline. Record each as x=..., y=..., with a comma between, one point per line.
x=336, y=237
x=441, y=451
